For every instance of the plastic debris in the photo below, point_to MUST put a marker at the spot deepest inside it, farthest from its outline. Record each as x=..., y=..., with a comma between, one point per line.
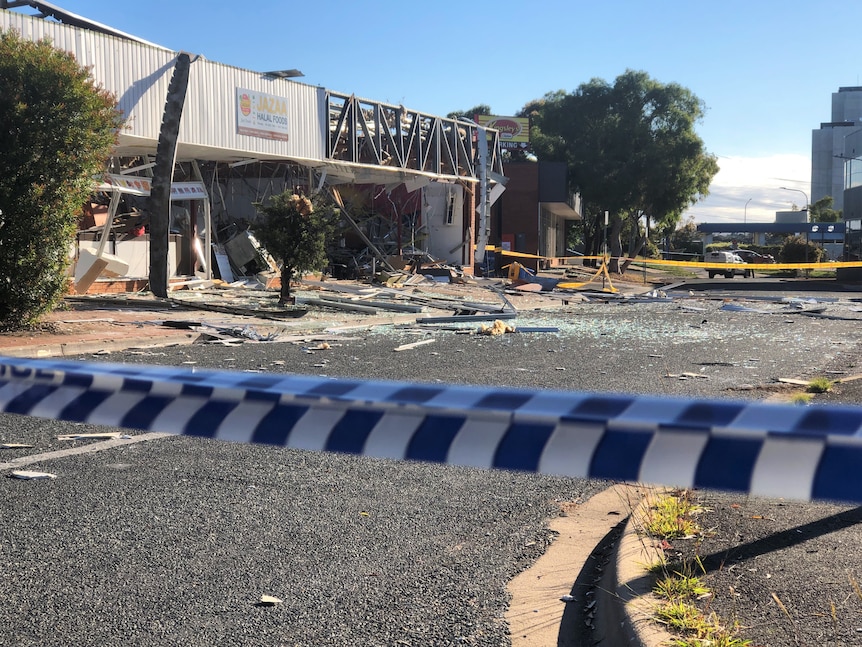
x=32, y=476
x=269, y=601
x=98, y=436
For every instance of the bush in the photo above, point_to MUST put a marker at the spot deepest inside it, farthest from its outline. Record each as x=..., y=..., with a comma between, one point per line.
x=58, y=132
x=796, y=250
x=295, y=230
x=650, y=250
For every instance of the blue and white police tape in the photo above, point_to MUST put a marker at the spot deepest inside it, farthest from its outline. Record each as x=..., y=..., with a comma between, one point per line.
x=804, y=453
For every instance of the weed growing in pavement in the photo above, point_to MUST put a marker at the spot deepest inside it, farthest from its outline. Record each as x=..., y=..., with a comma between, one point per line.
x=819, y=385
x=678, y=584
x=801, y=399
x=681, y=616
x=672, y=516
x=698, y=629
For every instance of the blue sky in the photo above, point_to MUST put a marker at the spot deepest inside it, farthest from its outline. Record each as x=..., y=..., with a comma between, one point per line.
x=766, y=69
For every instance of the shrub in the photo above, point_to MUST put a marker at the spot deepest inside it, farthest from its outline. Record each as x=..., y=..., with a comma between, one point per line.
x=650, y=250
x=295, y=229
x=58, y=131
x=797, y=250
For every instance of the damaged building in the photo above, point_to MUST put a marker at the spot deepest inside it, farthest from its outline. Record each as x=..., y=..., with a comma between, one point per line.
x=412, y=187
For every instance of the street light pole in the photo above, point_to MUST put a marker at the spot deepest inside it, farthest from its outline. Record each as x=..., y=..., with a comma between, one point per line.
x=745, y=212
x=807, y=204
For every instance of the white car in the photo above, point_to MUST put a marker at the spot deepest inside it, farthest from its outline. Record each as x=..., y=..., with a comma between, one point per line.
x=729, y=258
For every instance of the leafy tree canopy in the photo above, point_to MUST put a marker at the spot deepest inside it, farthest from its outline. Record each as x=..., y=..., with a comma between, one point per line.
x=58, y=130
x=481, y=109
x=630, y=147
x=822, y=211
x=686, y=237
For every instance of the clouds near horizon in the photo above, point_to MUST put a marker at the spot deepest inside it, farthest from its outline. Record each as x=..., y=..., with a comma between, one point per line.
x=755, y=182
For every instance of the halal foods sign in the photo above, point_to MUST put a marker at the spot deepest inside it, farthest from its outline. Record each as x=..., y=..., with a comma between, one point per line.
x=261, y=115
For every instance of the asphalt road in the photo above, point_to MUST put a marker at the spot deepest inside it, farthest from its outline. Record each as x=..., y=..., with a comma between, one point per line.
x=174, y=541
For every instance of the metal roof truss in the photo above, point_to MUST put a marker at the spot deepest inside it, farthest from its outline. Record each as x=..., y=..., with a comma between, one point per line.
x=373, y=133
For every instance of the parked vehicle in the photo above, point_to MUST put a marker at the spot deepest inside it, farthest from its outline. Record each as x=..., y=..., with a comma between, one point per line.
x=750, y=256
x=730, y=258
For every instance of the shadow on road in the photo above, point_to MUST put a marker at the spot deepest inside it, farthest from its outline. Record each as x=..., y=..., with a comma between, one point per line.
x=783, y=539
x=800, y=285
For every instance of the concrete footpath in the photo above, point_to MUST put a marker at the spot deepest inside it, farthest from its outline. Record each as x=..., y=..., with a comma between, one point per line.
x=102, y=326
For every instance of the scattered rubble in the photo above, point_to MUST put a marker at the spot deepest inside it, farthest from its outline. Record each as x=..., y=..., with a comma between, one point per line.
x=433, y=297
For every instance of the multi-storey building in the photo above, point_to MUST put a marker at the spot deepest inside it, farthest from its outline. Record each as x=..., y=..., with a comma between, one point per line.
x=828, y=145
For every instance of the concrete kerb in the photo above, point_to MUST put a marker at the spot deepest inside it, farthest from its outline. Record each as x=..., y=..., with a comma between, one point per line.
x=627, y=588
x=539, y=612
x=588, y=543
x=624, y=597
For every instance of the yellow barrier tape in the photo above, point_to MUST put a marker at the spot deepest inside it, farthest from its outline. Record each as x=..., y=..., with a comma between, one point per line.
x=826, y=265
x=505, y=252
x=556, y=259
x=823, y=265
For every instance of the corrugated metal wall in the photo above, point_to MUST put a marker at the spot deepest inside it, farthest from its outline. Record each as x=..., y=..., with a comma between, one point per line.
x=139, y=76
x=209, y=117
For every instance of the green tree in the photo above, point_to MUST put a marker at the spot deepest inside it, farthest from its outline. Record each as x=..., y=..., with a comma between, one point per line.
x=686, y=237
x=631, y=150
x=295, y=230
x=822, y=211
x=481, y=109
x=58, y=131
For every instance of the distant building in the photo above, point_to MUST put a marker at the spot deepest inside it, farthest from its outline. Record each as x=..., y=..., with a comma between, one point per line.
x=852, y=203
x=783, y=217
x=827, y=145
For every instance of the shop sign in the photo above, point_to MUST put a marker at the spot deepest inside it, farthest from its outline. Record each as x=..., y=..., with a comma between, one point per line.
x=261, y=115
